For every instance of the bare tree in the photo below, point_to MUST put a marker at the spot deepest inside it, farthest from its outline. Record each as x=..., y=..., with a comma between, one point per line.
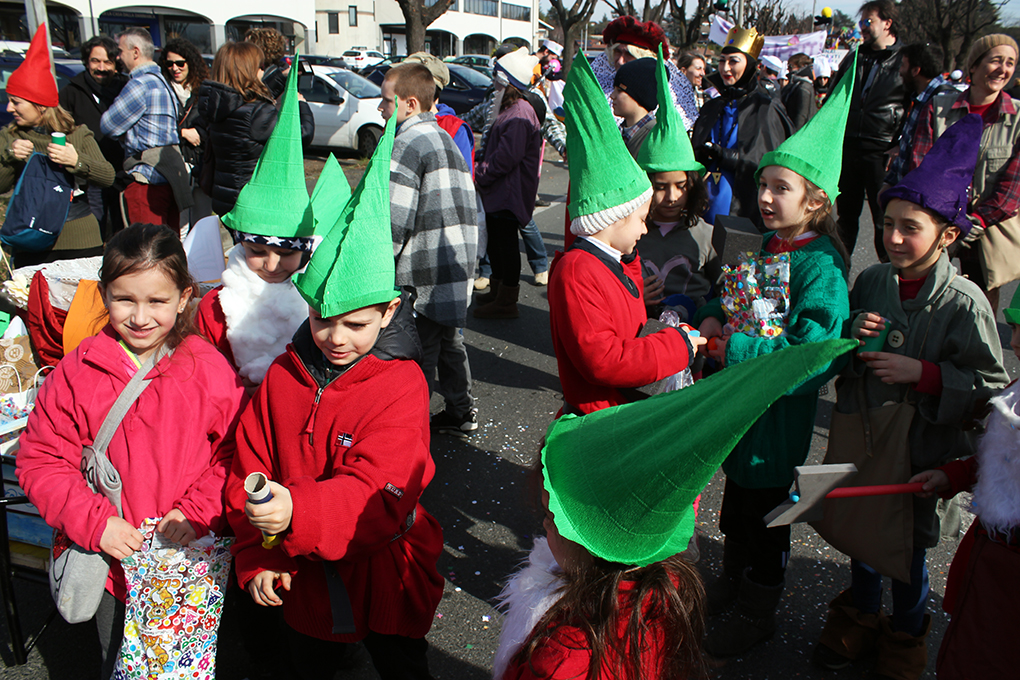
x=688, y=31
x=953, y=25
x=571, y=19
x=652, y=11
x=419, y=15
x=770, y=17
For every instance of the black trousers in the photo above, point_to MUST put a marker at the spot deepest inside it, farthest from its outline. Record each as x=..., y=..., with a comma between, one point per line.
x=861, y=177
x=504, y=247
x=741, y=520
x=395, y=657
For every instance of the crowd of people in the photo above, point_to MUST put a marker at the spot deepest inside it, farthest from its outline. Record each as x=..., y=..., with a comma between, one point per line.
x=339, y=314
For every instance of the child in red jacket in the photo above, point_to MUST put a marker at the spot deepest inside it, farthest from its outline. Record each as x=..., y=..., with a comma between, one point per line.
x=342, y=430
x=254, y=314
x=596, y=307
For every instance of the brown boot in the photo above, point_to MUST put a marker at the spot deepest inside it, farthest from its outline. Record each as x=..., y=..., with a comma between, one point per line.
x=902, y=656
x=503, y=307
x=848, y=635
x=486, y=298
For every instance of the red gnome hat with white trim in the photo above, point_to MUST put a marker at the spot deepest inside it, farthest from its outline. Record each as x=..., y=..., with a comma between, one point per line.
x=33, y=80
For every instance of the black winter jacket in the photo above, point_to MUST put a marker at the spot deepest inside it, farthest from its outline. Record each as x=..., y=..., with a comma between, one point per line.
x=192, y=118
x=238, y=130
x=762, y=125
x=77, y=99
x=874, y=119
x=799, y=98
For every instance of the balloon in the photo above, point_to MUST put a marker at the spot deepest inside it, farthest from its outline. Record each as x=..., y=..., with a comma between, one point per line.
x=827, y=12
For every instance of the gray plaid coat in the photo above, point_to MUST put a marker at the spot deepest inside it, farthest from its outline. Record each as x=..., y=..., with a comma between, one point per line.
x=434, y=220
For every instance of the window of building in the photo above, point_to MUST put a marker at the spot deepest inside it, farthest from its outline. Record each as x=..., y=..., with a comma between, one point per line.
x=352, y=15
x=489, y=8
x=334, y=22
x=516, y=12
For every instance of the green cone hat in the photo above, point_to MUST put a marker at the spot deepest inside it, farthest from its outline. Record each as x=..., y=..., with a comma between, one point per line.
x=275, y=202
x=621, y=481
x=667, y=148
x=606, y=183
x=330, y=195
x=815, y=152
x=353, y=267
x=1012, y=313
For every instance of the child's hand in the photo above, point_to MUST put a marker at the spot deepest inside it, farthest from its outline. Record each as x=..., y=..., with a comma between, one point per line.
x=261, y=587
x=935, y=481
x=120, y=539
x=654, y=288
x=274, y=516
x=176, y=527
x=717, y=349
x=893, y=369
x=867, y=325
x=711, y=327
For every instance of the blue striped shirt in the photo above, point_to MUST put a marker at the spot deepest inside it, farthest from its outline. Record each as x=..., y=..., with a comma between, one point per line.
x=144, y=116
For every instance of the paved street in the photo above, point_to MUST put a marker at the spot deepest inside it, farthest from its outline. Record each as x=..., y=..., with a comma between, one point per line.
x=479, y=495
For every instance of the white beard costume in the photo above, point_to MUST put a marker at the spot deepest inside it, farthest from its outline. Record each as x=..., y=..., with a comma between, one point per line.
x=997, y=492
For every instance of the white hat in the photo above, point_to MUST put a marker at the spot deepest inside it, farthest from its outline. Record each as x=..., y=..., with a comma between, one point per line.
x=519, y=67
x=823, y=69
x=772, y=63
x=553, y=47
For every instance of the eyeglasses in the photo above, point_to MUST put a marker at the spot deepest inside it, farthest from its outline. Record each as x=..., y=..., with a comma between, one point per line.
x=179, y=64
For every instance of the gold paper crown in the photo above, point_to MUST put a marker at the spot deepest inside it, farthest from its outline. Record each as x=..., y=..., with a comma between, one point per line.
x=746, y=40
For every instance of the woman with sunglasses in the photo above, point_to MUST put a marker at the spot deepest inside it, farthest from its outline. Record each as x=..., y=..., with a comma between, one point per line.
x=185, y=70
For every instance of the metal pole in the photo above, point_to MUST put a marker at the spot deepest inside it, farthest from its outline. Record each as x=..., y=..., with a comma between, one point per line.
x=740, y=13
x=35, y=13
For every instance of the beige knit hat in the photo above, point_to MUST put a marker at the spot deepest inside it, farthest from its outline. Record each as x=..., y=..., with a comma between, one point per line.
x=989, y=42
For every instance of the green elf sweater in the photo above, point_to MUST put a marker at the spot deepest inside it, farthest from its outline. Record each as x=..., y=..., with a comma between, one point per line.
x=819, y=308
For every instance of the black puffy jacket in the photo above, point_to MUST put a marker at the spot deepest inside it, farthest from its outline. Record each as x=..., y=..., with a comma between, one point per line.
x=237, y=132
x=874, y=119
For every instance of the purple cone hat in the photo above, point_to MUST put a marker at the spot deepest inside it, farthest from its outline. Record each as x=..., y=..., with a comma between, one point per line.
x=942, y=180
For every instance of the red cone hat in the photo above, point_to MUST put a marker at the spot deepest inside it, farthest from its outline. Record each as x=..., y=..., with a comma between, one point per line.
x=33, y=80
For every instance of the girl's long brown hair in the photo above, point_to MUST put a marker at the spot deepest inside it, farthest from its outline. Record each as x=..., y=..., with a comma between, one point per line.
x=237, y=65
x=822, y=222
x=664, y=610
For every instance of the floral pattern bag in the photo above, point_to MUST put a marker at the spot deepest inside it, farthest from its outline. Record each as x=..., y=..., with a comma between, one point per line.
x=174, y=606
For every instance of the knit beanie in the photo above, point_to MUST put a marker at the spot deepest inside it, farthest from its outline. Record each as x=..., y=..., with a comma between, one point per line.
x=637, y=79
x=621, y=481
x=667, y=147
x=988, y=42
x=274, y=203
x=353, y=267
x=606, y=183
x=815, y=152
x=33, y=80
x=330, y=195
x=942, y=181
x=1012, y=313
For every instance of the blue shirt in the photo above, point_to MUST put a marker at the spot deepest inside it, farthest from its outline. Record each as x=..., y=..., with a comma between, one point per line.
x=144, y=116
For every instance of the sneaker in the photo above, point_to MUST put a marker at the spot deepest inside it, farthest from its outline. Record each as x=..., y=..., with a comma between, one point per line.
x=481, y=283
x=542, y=278
x=828, y=658
x=541, y=203
x=445, y=422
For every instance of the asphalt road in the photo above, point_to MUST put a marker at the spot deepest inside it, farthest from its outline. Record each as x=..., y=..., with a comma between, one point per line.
x=479, y=495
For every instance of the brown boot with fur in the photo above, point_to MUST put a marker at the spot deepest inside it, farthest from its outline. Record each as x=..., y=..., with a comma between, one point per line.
x=902, y=656
x=486, y=298
x=503, y=307
x=848, y=635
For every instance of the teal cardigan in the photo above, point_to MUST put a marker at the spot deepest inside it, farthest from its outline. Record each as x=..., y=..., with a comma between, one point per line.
x=819, y=308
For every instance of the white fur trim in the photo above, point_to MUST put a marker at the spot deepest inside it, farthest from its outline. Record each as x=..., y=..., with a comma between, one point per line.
x=261, y=317
x=586, y=225
x=997, y=492
x=527, y=597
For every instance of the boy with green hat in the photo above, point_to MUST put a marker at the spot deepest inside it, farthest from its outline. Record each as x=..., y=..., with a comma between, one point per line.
x=681, y=251
x=253, y=315
x=596, y=307
x=617, y=491
x=342, y=430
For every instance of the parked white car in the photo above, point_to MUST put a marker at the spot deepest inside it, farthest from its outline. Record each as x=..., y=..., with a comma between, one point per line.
x=359, y=58
x=346, y=109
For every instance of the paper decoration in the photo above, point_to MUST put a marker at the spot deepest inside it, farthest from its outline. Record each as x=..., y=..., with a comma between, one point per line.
x=174, y=606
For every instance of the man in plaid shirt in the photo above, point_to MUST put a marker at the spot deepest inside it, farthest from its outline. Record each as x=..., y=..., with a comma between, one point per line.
x=144, y=116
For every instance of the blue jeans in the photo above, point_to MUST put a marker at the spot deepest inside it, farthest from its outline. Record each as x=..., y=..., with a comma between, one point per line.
x=534, y=248
x=909, y=599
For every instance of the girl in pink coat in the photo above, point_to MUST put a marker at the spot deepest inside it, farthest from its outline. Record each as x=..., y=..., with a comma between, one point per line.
x=175, y=445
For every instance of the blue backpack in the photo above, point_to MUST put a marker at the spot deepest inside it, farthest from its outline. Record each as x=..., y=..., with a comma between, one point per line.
x=38, y=209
